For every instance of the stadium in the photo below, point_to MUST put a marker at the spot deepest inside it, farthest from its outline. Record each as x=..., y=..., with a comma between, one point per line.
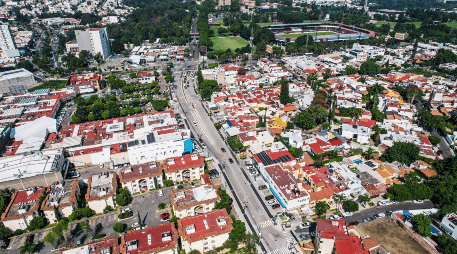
x=323, y=32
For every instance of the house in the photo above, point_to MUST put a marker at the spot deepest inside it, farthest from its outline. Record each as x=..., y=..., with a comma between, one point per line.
x=449, y=223
x=63, y=196
x=142, y=177
x=205, y=232
x=162, y=239
x=85, y=80
x=22, y=208
x=357, y=129
x=193, y=201
x=105, y=246
x=332, y=237
x=185, y=168
x=101, y=190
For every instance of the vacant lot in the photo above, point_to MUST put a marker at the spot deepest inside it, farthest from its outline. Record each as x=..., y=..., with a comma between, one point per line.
x=224, y=43
x=389, y=234
x=312, y=34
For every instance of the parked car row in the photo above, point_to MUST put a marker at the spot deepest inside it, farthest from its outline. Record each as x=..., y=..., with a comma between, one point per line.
x=375, y=217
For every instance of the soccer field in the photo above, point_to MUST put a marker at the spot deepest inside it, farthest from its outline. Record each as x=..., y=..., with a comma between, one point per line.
x=224, y=43
x=312, y=34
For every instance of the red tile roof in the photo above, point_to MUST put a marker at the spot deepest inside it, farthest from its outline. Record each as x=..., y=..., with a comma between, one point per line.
x=205, y=225
x=157, y=244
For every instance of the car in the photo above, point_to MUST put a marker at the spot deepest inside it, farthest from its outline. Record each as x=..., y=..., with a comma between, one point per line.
x=164, y=215
x=418, y=201
x=367, y=219
x=275, y=206
x=388, y=213
x=346, y=214
x=271, y=202
x=223, y=149
x=304, y=225
x=195, y=123
x=101, y=165
x=380, y=215
x=253, y=172
x=313, y=233
x=269, y=197
x=164, y=219
x=230, y=160
x=192, y=184
x=160, y=193
x=262, y=187
x=304, y=237
x=335, y=217
x=354, y=223
x=134, y=225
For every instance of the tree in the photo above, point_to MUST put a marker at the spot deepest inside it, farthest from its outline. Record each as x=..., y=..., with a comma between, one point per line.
x=106, y=114
x=321, y=208
x=318, y=113
x=118, y=227
x=284, y=97
x=238, y=232
x=422, y=225
x=207, y=87
x=98, y=58
x=364, y=199
x=79, y=213
x=434, y=140
x=217, y=125
x=369, y=68
x=4, y=232
x=37, y=223
x=194, y=252
x=49, y=239
x=349, y=70
x=252, y=240
x=241, y=71
x=85, y=55
x=24, y=64
x=161, y=206
x=355, y=112
x=305, y=120
x=225, y=202
x=290, y=126
x=368, y=154
x=403, y=152
x=28, y=247
x=350, y=206
x=123, y=198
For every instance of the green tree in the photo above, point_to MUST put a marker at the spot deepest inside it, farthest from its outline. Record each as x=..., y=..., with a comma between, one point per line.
x=238, y=232
x=4, y=232
x=252, y=240
x=207, y=87
x=28, y=247
x=217, y=125
x=403, y=152
x=225, y=202
x=79, y=213
x=318, y=113
x=106, y=114
x=37, y=223
x=355, y=112
x=123, y=198
x=364, y=199
x=434, y=140
x=49, y=239
x=118, y=227
x=422, y=225
x=161, y=206
x=24, y=64
x=305, y=120
x=159, y=105
x=284, y=97
x=321, y=208
x=349, y=70
x=369, y=68
x=194, y=252
x=350, y=206
x=98, y=58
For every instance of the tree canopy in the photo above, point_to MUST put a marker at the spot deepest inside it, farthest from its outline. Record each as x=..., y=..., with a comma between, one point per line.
x=403, y=152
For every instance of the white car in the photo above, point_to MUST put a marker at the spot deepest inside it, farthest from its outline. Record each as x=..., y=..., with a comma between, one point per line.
x=335, y=217
x=304, y=225
x=418, y=201
x=195, y=123
x=346, y=214
x=101, y=165
x=313, y=233
x=271, y=202
x=381, y=215
x=134, y=225
x=160, y=193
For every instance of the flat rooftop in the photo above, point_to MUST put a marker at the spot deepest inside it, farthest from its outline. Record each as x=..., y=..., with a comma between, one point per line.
x=190, y=197
x=61, y=193
x=102, y=184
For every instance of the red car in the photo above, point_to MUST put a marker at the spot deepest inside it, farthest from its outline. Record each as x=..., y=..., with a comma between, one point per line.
x=353, y=223
x=275, y=206
x=164, y=215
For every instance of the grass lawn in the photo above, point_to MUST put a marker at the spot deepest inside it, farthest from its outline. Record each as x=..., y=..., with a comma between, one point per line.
x=225, y=43
x=392, y=24
x=214, y=28
x=267, y=24
x=417, y=24
x=452, y=24
x=313, y=34
x=52, y=84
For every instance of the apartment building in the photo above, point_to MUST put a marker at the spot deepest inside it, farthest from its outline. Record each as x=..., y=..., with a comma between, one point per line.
x=100, y=191
x=94, y=40
x=185, y=168
x=62, y=195
x=142, y=177
x=205, y=232
x=449, y=223
x=162, y=239
x=22, y=208
x=194, y=201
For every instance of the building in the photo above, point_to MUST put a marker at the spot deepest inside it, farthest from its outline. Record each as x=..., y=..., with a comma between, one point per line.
x=7, y=45
x=357, y=129
x=289, y=191
x=94, y=40
x=72, y=47
x=22, y=208
x=100, y=191
x=224, y=2
x=162, y=239
x=332, y=237
x=33, y=169
x=194, y=201
x=449, y=223
x=16, y=81
x=105, y=246
x=185, y=168
x=142, y=177
x=84, y=80
x=63, y=196
x=205, y=232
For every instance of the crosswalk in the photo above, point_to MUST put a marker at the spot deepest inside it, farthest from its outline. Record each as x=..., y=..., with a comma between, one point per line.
x=288, y=236
x=266, y=223
x=283, y=250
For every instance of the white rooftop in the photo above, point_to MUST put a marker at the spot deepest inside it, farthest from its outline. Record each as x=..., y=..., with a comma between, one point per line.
x=204, y=192
x=19, y=73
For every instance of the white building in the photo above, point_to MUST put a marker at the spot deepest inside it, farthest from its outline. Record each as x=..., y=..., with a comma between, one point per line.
x=16, y=81
x=194, y=201
x=101, y=191
x=7, y=45
x=94, y=40
x=449, y=223
x=143, y=177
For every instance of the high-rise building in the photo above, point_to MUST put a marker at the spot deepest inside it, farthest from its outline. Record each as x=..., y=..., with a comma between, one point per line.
x=7, y=45
x=94, y=40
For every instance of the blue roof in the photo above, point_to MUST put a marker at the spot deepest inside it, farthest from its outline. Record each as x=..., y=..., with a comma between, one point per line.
x=406, y=213
x=229, y=123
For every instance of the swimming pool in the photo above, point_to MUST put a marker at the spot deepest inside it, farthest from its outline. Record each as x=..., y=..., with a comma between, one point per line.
x=358, y=161
x=434, y=230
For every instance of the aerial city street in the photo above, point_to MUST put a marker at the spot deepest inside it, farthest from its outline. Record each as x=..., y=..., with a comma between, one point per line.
x=228, y=126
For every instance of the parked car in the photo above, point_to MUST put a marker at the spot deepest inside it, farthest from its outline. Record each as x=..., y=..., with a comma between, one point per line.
x=164, y=215
x=380, y=215
x=304, y=237
x=304, y=225
x=269, y=197
x=335, y=217
x=230, y=160
x=262, y=187
x=223, y=149
x=346, y=214
x=271, y=202
x=134, y=225
x=275, y=206
x=165, y=219
x=160, y=193
x=253, y=172
x=101, y=165
x=354, y=223
x=418, y=201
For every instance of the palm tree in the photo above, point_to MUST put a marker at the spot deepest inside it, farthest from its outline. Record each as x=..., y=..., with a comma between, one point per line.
x=368, y=155
x=364, y=199
x=355, y=113
x=339, y=198
x=28, y=247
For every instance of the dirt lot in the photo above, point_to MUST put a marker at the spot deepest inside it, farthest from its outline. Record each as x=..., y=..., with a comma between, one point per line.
x=394, y=238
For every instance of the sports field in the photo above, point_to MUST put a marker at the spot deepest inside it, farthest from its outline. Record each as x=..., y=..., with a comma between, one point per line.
x=312, y=34
x=224, y=43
